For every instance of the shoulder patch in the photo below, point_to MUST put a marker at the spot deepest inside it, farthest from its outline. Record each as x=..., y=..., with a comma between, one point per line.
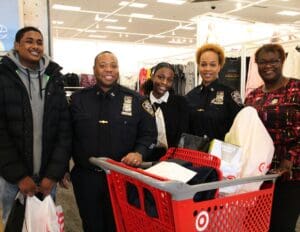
x=236, y=97
x=148, y=107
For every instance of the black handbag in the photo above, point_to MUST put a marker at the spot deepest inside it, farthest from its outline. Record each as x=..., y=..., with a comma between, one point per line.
x=194, y=142
x=16, y=217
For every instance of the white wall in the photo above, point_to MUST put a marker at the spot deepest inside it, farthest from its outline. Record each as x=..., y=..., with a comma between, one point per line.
x=78, y=55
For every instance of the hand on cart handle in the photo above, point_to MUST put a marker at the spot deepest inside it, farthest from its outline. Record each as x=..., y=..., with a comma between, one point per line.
x=133, y=159
x=284, y=173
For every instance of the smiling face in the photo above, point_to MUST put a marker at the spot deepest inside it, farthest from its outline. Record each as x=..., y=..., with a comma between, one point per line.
x=30, y=49
x=209, y=67
x=162, y=81
x=106, y=70
x=269, y=66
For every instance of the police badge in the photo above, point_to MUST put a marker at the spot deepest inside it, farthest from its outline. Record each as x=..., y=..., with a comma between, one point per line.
x=148, y=107
x=127, y=106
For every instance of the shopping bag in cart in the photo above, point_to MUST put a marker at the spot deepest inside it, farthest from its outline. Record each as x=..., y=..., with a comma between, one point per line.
x=194, y=142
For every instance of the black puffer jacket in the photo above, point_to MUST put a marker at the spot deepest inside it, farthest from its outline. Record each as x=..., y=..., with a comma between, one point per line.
x=16, y=126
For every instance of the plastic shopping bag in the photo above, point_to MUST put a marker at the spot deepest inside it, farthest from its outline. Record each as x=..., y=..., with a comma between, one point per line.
x=248, y=132
x=42, y=216
x=230, y=156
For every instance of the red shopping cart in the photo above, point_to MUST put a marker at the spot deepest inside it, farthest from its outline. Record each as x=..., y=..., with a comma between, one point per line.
x=174, y=201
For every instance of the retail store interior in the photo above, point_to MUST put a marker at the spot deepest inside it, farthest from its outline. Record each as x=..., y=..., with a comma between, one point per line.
x=142, y=33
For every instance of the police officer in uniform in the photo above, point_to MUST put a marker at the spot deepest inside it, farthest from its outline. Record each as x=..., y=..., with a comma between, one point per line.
x=112, y=121
x=213, y=105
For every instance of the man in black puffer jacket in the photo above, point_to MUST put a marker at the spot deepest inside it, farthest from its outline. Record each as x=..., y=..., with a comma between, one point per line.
x=35, y=129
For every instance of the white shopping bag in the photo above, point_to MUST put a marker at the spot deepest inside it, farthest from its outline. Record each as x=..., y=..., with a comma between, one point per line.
x=230, y=156
x=43, y=216
x=248, y=132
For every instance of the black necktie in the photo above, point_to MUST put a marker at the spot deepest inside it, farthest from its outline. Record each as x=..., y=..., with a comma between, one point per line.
x=157, y=105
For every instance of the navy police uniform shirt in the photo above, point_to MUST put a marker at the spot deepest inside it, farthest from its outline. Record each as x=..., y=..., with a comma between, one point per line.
x=212, y=109
x=111, y=124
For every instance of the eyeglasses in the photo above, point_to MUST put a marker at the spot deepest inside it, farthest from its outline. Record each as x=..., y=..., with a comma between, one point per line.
x=268, y=62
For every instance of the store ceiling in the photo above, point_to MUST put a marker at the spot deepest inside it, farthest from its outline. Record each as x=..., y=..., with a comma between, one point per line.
x=169, y=25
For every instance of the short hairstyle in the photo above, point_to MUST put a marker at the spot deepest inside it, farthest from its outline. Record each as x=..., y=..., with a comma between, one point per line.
x=162, y=65
x=101, y=53
x=271, y=47
x=211, y=47
x=20, y=33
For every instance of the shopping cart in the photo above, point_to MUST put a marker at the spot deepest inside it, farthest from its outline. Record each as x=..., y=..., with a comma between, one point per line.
x=174, y=201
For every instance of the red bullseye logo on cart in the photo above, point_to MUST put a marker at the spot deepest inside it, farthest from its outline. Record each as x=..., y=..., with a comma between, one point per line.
x=230, y=177
x=262, y=166
x=202, y=221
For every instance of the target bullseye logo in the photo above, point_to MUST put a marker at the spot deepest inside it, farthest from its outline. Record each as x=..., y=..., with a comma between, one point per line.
x=202, y=221
x=261, y=167
x=230, y=177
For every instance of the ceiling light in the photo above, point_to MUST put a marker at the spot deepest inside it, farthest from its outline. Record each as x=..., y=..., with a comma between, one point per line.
x=86, y=30
x=238, y=5
x=288, y=13
x=65, y=7
x=159, y=36
x=173, y=33
x=98, y=19
x=142, y=16
x=90, y=31
x=57, y=22
x=111, y=20
x=188, y=28
x=97, y=26
x=177, y=41
x=134, y=4
x=130, y=20
x=98, y=36
x=116, y=28
x=174, y=2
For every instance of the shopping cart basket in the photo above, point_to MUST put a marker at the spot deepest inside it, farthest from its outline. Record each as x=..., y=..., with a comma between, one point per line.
x=173, y=200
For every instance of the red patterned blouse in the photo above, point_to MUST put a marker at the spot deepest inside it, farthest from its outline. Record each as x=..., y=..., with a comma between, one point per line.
x=279, y=110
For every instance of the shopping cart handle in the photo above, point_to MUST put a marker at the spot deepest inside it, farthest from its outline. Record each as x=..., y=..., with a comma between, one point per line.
x=179, y=190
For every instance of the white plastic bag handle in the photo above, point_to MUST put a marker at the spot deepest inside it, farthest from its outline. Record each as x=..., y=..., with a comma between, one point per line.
x=42, y=216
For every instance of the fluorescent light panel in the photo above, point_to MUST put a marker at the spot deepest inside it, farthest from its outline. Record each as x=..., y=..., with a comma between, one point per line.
x=174, y=2
x=98, y=36
x=188, y=28
x=116, y=28
x=57, y=22
x=134, y=4
x=97, y=18
x=288, y=13
x=142, y=16
x=88, y=30
x=65, y=7
x=110, y=20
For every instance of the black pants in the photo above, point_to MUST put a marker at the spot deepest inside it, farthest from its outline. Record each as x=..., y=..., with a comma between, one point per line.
x=286, y=206
x=93, y=201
